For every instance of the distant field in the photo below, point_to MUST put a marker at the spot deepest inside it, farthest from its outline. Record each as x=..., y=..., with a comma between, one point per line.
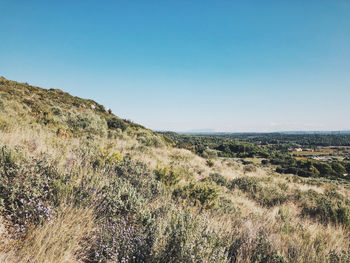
x=327, y=152
x=301, y=158
x=254, y=160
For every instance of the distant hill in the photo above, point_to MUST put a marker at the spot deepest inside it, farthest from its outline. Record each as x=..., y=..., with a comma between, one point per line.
x=213, y=132
x=199, y=131
x=317, y=132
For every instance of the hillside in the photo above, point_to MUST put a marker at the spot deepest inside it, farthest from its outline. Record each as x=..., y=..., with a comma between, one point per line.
x=80, y=184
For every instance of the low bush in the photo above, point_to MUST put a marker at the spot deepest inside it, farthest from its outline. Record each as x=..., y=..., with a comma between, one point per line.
x=246, y=184
x=188, y=238
x=210, y=163
x=106, y=157
x=149, y=139
x=264, y=195
x=140, y=177
x=249, y=168
x=122, y=215
x=265, y=253
x=57, y=111
x=121, y=240
x=86, y=122
x=28, y=191
x=253, y=249
x=203, y=194
x=118, y=198
x=116, y=123
x=5, y=125
x=130, y=186
x=219, y=179
x=226, y=206
x=271, y=196
x=326, y=208
x=169, y=176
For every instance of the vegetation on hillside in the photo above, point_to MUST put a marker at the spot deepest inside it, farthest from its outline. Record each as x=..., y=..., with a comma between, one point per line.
x=276, y=154
x=79, y=184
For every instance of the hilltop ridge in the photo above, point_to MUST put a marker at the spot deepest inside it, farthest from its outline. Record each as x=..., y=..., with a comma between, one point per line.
x=45, y=104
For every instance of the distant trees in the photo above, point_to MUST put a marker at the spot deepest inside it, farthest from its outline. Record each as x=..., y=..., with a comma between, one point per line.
x=273, y=148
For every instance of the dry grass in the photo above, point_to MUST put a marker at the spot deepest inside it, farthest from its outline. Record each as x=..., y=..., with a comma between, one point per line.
x=65, y=239
x=62, y=241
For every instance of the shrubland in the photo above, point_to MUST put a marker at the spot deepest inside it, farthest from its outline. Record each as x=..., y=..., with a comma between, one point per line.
x=79, y=184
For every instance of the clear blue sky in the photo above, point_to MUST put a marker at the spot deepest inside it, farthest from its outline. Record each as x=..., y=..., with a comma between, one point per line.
x=186, y=65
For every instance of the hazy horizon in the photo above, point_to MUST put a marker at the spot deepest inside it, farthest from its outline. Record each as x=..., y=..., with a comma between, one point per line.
x=189, y=65
x=204, y=131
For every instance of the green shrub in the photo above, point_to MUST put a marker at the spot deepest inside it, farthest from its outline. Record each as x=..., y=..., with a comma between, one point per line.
x=264, y=195
x=250, y=168
x=106, y=158
x=130, y=186
x=117, y=180
x=118, y=198
x=187, y=238
x=57, y=111
x=246, y=184
x=338, y=168
x=210, y=163
x=87, y=122
x=28, y=191
x=209, y=153
x=219, y=179
x=140, y=177
x=202, y=193
x=124, y=230
x=314, y=171
x=116, y=123
x=149, y=139
x=257, y=249
x=168, y=175
x=121, y=240
x=270, y=196
x=226, y=206
x=285, y=221
x=265, y=253
x=115, y=134
x=326, y=208
x=5, y=125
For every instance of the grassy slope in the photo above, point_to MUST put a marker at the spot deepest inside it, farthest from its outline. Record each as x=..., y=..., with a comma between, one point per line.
x=121, y=192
